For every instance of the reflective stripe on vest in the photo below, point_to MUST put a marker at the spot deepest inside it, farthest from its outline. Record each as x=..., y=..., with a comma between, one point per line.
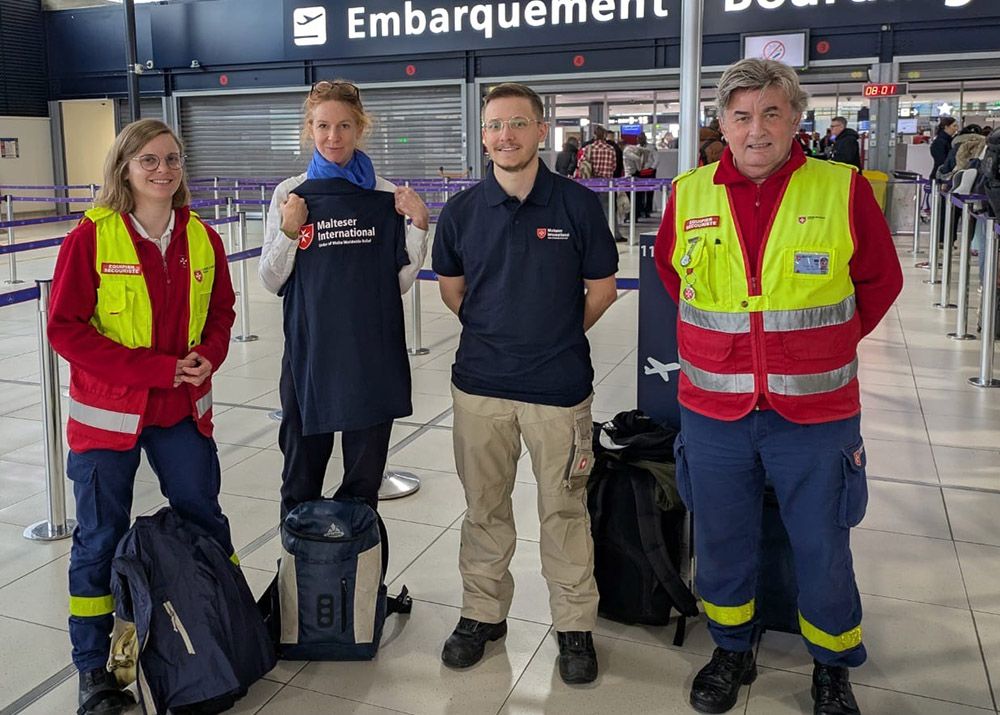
x=837, y=643
x=124, y=311
x=775, y=321
x=738, y=382
x=793, y=385
x=107, y=420
x=814, y=383
x=713, y=320
x=729, y=615
x=90, y=606
x=203, y=404
x=779, y=321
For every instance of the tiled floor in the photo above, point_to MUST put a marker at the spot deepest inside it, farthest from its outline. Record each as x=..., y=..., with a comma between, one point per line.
x=927, y=555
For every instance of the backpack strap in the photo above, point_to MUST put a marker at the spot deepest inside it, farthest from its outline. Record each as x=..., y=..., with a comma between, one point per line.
x=656, y=550
x=401, y=603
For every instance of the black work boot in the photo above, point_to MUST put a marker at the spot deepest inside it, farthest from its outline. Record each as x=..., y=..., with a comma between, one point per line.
x=100, y=694
x=465, y=646
x=577, y=657
x=831, y=691
x=717, y=685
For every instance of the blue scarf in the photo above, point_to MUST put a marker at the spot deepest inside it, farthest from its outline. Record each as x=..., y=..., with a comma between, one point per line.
x=359, y=170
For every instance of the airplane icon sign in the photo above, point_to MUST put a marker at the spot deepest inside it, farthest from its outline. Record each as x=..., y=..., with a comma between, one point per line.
x=310, y=25
x=655, y=367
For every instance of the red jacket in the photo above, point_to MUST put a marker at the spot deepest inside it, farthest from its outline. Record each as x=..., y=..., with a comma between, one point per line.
x=74, y=295
x=874, y=267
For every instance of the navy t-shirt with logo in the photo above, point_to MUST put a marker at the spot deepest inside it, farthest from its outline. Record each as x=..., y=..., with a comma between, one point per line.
x=343, y=314
x=524, y=265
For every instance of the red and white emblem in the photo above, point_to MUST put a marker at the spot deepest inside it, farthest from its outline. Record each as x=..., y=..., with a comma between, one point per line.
x=583, y=464
x=802, y=219
x=305, y=236
x=541, y=232
x=857, y=456
x=198, y=276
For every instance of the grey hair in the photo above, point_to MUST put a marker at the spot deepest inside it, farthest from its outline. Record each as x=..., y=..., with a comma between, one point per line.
x=757, y=74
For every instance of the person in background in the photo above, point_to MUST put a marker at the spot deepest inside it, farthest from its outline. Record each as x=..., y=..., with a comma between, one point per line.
x=345, y=367
x=710, y=143
x=770, y=316
x=941, y=146
x=566, y=159
x=640, y=162
x=142, y=308
x=844, y=145
x=527, y=262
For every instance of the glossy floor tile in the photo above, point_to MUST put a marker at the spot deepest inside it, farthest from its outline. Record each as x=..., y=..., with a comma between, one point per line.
x=927, y=555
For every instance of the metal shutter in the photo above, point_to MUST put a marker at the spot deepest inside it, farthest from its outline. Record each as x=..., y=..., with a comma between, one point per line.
x=416, y=131
x=23, y=85
x=150, y=108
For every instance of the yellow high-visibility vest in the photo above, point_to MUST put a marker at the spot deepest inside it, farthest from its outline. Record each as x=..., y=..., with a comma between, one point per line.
x=124, y=312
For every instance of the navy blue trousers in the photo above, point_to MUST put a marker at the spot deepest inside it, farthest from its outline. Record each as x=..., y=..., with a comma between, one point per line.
x=365, y=453
x=818, y=474
x=187, y=466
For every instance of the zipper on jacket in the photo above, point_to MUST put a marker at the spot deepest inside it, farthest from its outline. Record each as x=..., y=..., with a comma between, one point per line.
x=179, y=628
x=343, y=605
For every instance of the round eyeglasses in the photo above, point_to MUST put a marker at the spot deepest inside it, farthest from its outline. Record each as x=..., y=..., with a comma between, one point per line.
x=516, y=124
x=151, y=162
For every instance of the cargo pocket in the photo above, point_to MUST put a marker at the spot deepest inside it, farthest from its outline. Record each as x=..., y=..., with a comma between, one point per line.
x=83, y=473
x=683, y=476
x=112, y=310
x=854, y=497
x=582, y=454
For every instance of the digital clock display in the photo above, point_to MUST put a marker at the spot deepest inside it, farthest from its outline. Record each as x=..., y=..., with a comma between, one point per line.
x=878, y=90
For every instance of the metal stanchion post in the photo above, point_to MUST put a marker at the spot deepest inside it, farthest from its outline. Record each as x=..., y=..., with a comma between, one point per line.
x=417, y=348
x=611, y=208
x=245, y=335
x=663, y=199
x=263, y=209
x=93, y=193
x=932, y=251
x=962, y=321
x=949, y=228
x=989, y=313
x=57, y=526
x=229, y=226
x=11, y=257
x=215, y=195
x=631, y=215
x=236, y=192
x=917, y=197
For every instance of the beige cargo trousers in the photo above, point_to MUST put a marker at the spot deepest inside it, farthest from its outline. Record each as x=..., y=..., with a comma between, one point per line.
x=487, y=438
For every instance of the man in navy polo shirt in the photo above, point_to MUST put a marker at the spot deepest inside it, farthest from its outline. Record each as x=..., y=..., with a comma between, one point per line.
x=526, y=260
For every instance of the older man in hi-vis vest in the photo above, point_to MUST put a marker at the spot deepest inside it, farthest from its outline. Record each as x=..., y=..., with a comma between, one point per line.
x=780, y=264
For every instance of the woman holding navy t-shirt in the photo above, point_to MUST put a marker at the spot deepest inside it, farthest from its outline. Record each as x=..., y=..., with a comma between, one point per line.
x=331, y=379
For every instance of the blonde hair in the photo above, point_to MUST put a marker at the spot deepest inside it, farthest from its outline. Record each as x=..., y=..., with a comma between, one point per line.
x=969, y=150
x=116, y=193
x=757, y=74
x=338, y=90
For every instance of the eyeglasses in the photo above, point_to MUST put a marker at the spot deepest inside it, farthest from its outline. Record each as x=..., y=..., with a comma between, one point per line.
x=151, y=162
x=516, y=124
x=326, y=85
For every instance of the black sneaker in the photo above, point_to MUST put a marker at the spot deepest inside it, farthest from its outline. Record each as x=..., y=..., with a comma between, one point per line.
x=465, y=646
x=100, y=694
x=717, y=686
x=831, y=691
x=577, y=657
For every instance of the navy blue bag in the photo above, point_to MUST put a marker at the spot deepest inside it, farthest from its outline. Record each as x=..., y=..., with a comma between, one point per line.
x=201, y=640
x=328, y=600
